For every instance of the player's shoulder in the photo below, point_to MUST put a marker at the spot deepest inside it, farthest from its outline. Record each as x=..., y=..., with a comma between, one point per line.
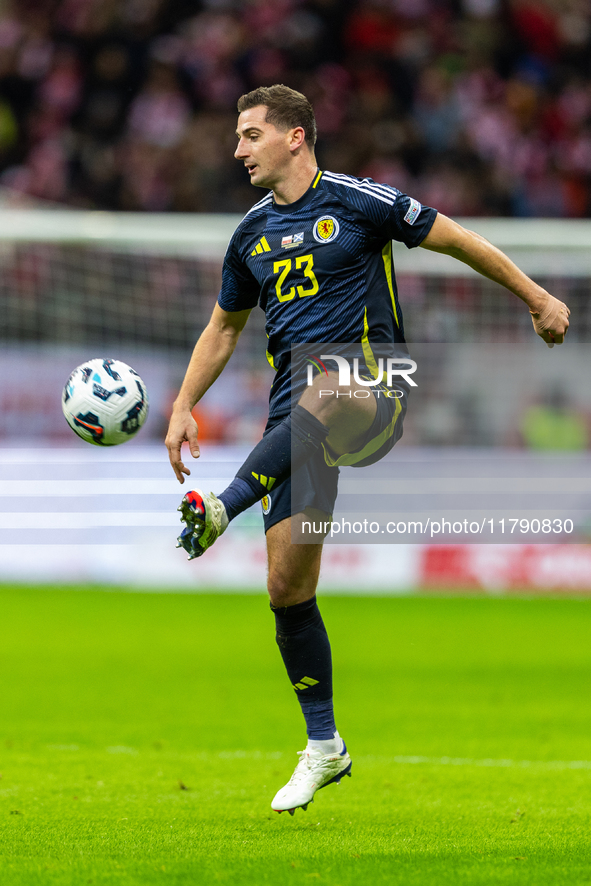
x=253, y=222
x=360, y=192
x=254, y=215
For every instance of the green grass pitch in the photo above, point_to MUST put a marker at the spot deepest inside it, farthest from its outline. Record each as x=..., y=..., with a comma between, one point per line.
x=142, y=737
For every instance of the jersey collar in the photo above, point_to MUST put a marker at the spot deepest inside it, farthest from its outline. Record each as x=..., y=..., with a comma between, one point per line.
x=286, y=208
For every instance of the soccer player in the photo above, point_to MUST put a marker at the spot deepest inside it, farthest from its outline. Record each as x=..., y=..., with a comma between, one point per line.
x=315, y=254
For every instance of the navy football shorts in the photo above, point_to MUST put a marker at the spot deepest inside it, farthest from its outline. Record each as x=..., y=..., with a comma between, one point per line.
x=315, y=484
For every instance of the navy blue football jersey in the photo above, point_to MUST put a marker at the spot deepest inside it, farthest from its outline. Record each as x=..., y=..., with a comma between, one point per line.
x=321, y=268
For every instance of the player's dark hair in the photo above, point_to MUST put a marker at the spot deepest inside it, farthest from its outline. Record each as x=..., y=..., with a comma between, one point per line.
x=286, y=108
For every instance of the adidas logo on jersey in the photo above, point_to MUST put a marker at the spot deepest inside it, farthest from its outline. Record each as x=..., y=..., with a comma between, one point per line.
x=262, y=246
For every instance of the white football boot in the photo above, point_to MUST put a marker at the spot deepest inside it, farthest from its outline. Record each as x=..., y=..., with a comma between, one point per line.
x=314, y=771
x=206, y=519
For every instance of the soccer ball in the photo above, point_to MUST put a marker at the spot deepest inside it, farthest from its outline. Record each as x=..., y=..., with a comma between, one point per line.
x=105, y=402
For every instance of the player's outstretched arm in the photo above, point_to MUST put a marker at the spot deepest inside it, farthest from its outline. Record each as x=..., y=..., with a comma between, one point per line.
x=214, y=348
x=549, y=315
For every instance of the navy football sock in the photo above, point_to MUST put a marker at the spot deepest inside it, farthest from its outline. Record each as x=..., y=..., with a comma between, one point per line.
x=284, y=449
x=305, y=649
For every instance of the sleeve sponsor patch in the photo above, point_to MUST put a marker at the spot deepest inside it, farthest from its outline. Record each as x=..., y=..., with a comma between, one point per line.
x=413, y=211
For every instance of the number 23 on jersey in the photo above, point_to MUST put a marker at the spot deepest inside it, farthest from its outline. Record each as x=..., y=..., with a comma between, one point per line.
x=303, y=263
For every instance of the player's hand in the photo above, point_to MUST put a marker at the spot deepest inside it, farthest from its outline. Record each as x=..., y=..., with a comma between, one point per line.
x=551, y=321
x=182, y=427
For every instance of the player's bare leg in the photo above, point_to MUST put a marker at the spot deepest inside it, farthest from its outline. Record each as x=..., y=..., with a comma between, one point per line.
x=293, y=570
x=303, y=643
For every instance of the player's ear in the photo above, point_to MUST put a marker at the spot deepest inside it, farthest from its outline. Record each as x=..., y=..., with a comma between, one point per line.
x=297, y=137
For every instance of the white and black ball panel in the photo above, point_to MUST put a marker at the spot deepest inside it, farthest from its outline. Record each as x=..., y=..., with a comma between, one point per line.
x=105, y=402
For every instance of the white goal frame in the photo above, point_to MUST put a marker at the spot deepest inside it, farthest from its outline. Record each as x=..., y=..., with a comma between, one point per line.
x=560, y=247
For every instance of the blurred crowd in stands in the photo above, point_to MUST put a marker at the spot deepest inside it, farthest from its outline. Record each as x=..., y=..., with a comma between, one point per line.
x=477, y=107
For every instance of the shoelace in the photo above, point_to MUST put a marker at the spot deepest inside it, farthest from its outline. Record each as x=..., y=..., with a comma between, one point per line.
x=302, y=768
x=305, y=765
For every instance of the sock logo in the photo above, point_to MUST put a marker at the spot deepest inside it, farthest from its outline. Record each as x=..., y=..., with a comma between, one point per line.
x=262, y=246
x=266, y=504
x=267, y=482
x=305, y=683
